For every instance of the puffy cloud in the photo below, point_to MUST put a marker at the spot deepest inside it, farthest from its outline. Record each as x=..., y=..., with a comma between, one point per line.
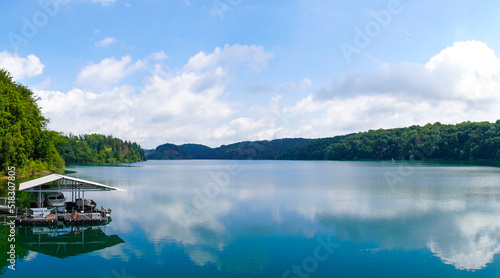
x=249, y=55
x=105, y=42
x=19, y=67
x=456, y=72
x=80, y=112
x=192, y=105
x=179, y=107
x=184, y=107
x=108, y=72
x=460, y=83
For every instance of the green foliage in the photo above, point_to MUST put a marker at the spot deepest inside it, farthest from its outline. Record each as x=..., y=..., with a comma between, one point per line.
x=310, y=150
x=24, y=140
x=243, y=150
x=169, y=151
x=256, y=149
x=26, y=143
x=464, y=141
x=97, y=148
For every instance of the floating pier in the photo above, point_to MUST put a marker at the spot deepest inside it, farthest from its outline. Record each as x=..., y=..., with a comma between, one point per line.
x=65, y=219
x=56, y=211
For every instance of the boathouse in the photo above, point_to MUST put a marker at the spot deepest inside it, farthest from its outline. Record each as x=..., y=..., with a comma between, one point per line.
x=77, y=211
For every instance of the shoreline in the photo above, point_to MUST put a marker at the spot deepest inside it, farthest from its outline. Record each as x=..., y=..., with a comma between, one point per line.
x=44, y=172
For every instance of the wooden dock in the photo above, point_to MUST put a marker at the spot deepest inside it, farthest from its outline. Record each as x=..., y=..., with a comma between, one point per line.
x=62, y=219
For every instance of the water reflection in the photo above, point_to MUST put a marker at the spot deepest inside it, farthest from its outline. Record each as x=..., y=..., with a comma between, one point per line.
x=472, y=245
x=66, y=242
x=450, y=211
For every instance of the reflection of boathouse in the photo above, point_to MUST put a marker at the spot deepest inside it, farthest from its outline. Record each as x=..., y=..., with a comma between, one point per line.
x=66, y=242
x=49, y=206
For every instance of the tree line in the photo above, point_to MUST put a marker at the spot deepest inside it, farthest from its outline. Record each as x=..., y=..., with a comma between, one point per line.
x=467, y=141
x=98, y=148
x=243, y=150
x=27, y=144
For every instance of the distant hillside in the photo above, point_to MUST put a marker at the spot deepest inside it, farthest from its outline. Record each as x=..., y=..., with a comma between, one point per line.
x=464, y=141
x=98, y=148
x=186, y=151
x=312, y=150
x=461, y=142
x=243, y=150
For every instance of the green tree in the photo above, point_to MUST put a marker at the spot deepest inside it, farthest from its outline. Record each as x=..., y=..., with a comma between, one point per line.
x=25, y=141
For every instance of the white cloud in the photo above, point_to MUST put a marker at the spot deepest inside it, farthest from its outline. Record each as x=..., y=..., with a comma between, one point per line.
x=105, y=42
x=80, y=112
x=108, y=72
x=186, y=106
x=104, y=2
x=19, y=67
x=460, y=83
x=252, y=56
x=158, y=56
x=174, y=106
x=192, y=104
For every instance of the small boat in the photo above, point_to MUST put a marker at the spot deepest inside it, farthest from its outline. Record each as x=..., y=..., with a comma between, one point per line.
x=56, y=200
x=87, y=203
x=40, y=213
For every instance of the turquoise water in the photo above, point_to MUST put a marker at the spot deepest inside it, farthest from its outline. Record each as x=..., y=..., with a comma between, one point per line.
x=204, y=218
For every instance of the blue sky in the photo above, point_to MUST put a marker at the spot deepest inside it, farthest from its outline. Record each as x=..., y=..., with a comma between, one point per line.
x=221, y=71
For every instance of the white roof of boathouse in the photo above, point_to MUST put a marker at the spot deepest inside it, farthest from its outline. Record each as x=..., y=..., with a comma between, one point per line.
x=56, y=182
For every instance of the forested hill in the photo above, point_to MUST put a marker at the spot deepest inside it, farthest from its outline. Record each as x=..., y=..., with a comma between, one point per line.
x=460, y=142
x=243, y=150
x=98, y=148
x=464, y=141
x=27, y=144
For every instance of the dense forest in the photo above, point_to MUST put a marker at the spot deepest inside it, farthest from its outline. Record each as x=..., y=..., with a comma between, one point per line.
x=97, y=148
x=27, y=144
x=464, y=141
x=467, y=141
x=25, y=141
x=243, y=150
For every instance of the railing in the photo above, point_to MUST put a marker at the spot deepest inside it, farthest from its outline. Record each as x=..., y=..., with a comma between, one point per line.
x=3, y=203
x=5, y=200
x=5, y=207
x=5, y=219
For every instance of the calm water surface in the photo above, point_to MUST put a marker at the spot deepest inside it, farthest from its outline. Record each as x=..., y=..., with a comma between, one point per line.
x=281, y=219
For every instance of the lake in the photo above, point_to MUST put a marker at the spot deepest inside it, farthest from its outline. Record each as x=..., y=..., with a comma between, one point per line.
x=215, y=218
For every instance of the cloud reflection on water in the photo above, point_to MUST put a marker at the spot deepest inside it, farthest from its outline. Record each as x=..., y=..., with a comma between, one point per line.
x=451, y=211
